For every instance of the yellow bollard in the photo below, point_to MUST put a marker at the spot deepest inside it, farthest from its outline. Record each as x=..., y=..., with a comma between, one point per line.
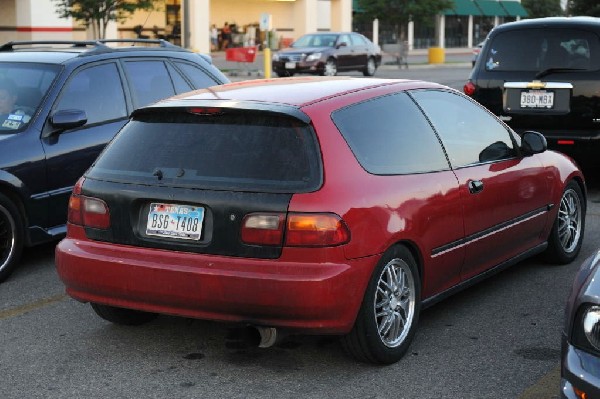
x=267, y=59
x=436, y=55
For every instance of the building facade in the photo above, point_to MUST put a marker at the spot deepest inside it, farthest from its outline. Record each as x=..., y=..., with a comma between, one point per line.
x=188, y=22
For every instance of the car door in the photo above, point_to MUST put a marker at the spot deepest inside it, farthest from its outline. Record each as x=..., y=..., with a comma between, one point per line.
x=344, y=52
x=98, y=90
x=505, y=195
x=359, y=49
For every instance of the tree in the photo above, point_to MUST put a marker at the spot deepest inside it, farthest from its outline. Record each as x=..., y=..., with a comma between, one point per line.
x=542, y=8
x=98, y=13
x=590, y=8
x=399, y=13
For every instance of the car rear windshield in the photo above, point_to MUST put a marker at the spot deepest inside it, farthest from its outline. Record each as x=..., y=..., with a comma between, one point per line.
x=543, y=49
x=22, y=88
x=244, y=151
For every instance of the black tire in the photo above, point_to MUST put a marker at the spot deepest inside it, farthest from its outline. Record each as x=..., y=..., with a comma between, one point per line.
x=11, y=237
x=122, y=316
x=381, y=311
x=330, y=68
x=370, y=67
x=284, y=74
x=566, y=237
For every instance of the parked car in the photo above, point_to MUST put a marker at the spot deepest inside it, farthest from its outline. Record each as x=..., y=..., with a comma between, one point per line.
x=318, y=205
x=327, y=54
x=65, y=101
x=542, y=74
x=580, y=366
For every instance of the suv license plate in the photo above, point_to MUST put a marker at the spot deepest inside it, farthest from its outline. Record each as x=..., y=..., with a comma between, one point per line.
x=537, y=99
x=175, y=221
x=290, y=65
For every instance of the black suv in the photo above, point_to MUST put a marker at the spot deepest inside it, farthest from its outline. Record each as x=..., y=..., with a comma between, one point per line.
x=543, y=74
x=60, y=104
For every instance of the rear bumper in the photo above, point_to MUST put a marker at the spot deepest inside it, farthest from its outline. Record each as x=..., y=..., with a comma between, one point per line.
x=308, y=297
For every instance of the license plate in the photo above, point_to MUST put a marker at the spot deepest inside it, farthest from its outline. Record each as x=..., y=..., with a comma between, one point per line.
x=290, y=65
x=175, y=221
x=537, y=99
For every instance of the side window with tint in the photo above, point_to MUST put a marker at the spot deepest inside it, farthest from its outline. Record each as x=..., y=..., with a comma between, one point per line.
x=198, y=76
x=394, y=139
x=470, y=134
x=98, y=91
x=150, y=81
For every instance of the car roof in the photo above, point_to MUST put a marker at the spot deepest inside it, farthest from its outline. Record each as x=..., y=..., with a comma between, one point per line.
x=61, y=51
x=591, y=22
x=294, y=91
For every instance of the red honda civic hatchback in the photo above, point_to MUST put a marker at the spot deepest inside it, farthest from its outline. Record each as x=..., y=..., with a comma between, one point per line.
x=313, y=205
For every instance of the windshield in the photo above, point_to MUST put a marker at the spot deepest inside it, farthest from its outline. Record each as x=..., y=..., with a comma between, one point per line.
x=22, y=88
x=317, y=40
x=540, y=50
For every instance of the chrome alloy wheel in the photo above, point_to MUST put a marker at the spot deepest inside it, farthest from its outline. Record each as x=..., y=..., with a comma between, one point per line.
x=371, y=67
x=7, y=237
x=569, y=220
x=395, y=303
x=330, y=68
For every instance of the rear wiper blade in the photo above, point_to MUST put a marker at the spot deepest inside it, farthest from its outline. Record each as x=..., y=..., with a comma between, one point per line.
x=556, y=70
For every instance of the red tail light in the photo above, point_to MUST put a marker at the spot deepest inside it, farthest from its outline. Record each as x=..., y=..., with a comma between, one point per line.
x=87, y=211
x=300, y=230
x=469, y=88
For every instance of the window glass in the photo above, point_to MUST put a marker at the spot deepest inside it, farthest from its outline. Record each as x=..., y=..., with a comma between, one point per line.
x=22, y=88
x=470, y=134
x=150, y=81
x=541, y=49
x=98, y=91
x=247, y=150
x=358, y=40
x=181, y=86
x=389, y=135
x=199, y=78
x=344, y=39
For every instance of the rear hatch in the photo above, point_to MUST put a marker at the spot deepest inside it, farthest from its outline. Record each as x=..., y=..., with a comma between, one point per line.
x=184, y=178
x=544, y=79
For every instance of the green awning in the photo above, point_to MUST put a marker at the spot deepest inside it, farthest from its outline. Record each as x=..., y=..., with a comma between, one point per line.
x=463, y=7
x=514, y=8
x=356, y=7
x=491, y=8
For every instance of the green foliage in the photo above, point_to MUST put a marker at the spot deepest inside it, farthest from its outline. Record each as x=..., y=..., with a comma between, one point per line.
x=590, y=8
x=542, y=8
x=400, y=12
x=98, y=13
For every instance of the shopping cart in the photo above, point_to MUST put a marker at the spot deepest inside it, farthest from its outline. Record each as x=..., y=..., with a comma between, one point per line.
x=241, y=55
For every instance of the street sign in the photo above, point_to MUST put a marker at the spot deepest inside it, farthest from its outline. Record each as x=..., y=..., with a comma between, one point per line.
x=265, y=21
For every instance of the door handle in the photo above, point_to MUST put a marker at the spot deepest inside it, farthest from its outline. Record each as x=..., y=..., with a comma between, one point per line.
x=475, y=186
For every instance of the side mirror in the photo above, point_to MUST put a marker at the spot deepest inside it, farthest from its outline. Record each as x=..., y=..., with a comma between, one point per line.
x=533, y=143
x=68, y=119
x=342, y=44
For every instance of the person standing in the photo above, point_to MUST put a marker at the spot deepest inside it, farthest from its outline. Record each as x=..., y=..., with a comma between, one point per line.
x=214, y=38
x=225, y=35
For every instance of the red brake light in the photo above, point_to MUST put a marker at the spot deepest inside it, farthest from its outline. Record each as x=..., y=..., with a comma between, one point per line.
x=469, y=88
x=316, y=230
x=566, y=142
x=87, y=211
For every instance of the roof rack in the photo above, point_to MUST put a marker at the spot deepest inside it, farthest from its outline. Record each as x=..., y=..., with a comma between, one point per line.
x=94, y=46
